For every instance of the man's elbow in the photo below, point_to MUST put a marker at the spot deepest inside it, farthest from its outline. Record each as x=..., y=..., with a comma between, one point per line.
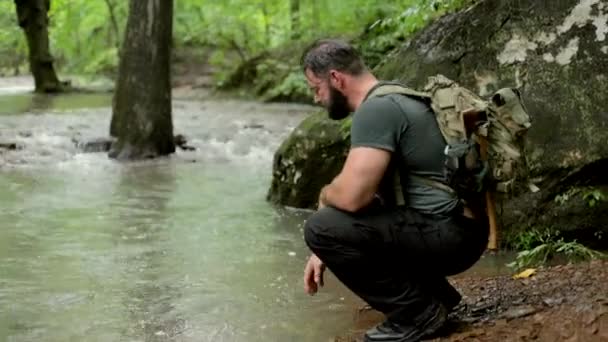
x=350, y=207
x=356, y=204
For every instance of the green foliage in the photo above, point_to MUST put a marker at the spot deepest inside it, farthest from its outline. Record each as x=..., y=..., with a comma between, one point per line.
x=537, y=247
x=292, y=86
x=530, y=238
x=270, y=72
x=85, y=35
x=565, y=196
x=82, y=36
x=395, y=26
x=345, y=126
x=13, y=47
x=107, y=60
x=576, y=251
x=590, y=195
x=377, y=28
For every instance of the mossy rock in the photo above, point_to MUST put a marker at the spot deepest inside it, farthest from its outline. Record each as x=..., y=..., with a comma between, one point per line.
x=312, y=155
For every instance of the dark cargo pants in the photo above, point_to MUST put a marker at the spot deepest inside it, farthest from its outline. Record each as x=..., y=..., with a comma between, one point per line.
x=396, y=260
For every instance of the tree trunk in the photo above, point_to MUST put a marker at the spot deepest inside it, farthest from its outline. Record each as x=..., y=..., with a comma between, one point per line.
x=294, y=8
x=141, y=111
x=33, y=19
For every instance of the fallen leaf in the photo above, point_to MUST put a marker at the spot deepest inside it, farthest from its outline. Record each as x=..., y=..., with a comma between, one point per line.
x=519, y=311
x=525, y=274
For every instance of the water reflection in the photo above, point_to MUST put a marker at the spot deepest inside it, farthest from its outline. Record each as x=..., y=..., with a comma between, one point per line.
x=143, y=222
x=16, y=239
x=331, y=311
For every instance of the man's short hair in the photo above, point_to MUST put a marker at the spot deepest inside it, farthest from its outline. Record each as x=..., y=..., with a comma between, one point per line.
x=326, y=54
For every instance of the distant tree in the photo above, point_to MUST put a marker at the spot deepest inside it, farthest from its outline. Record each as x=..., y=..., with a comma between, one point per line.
x=113, y=19
x=141, y=111
x=294, y=9
x=32, y=16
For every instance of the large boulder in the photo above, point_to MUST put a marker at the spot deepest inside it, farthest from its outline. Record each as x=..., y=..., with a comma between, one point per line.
x=556, y=52
x=308, y=159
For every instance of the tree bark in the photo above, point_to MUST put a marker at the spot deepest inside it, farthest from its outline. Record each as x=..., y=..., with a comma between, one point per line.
x=141, y=111
x=33, y=19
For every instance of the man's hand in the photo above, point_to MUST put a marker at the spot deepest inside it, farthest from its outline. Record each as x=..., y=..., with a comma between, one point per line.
x=321, y=203
x=313, y=275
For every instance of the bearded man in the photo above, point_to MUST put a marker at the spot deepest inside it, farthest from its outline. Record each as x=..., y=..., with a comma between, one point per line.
x=395, y=255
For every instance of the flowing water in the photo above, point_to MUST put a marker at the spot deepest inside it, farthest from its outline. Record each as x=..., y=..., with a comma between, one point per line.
x=183, y=248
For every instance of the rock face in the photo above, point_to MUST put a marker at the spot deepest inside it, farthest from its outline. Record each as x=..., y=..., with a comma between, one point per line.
x=555, y=52
x=310, y=157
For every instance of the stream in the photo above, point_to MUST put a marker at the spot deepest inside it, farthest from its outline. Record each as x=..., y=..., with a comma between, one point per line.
x=183, y=248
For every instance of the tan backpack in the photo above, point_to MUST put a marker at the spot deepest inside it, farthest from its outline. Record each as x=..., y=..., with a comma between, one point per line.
x=485, y=138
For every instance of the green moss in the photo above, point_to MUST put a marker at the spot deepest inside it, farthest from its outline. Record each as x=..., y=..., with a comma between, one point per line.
x=308, y=159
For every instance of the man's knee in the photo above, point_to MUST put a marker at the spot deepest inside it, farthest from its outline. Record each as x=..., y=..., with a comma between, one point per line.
x=317, y=226
x=312, y=228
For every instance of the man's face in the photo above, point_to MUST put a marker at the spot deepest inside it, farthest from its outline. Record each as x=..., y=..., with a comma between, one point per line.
x=328, y=96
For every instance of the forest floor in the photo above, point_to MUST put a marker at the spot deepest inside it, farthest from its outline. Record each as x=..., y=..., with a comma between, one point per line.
x=559, y=303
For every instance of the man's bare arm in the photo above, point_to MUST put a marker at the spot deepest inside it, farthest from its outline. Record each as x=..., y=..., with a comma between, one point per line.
x=357, y=183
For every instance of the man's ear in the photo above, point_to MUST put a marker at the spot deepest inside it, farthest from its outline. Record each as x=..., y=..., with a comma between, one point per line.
x=336, y=79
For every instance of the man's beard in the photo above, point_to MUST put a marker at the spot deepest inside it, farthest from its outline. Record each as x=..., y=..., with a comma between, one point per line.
x=337, y=108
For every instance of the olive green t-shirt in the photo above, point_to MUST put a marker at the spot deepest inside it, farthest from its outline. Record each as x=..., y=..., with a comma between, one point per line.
x=406, y=127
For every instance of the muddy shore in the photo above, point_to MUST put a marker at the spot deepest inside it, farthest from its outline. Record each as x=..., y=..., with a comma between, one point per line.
x=560, y=303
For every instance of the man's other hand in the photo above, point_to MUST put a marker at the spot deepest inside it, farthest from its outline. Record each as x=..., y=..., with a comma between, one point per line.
x=313, y=275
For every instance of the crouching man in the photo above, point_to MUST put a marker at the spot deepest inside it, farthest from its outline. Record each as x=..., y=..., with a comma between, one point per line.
x=388, y=234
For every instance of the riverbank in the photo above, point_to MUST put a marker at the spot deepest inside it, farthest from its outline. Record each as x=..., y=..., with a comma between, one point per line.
x=560, y=303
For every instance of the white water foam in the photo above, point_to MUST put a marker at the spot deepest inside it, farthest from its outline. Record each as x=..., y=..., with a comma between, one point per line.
x=246, y=136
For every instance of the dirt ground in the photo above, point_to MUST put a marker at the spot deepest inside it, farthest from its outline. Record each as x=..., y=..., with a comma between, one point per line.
x=562, y=303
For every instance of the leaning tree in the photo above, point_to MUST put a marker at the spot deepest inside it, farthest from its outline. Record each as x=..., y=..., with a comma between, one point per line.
x=32, y=16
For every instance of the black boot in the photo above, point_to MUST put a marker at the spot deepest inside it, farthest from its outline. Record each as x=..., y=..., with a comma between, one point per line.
x=450, y=297
x=444, y=292
x=390, y=331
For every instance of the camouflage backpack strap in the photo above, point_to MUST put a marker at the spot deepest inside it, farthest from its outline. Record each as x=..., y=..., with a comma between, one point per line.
x=393, y=88
x=399, y=179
